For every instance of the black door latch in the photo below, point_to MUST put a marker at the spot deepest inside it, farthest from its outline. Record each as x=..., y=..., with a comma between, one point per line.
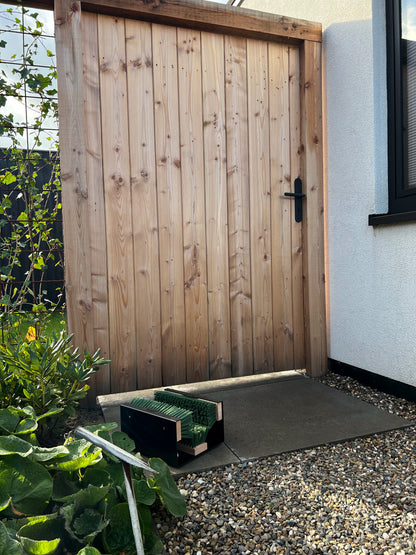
x=298, y=196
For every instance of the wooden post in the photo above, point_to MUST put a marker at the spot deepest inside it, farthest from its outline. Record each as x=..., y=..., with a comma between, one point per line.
x=314, y=262
x=73, y=173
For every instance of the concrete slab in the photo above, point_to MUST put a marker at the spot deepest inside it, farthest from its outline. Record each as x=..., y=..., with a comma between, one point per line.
x=274, y=413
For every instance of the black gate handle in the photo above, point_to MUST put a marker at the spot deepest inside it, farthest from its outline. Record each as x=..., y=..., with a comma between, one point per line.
x=298, y=196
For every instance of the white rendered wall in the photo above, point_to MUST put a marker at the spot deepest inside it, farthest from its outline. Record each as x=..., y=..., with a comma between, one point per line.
x=371, y=271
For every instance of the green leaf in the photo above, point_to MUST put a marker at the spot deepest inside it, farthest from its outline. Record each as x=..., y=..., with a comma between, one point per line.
x=152, y=545
x=22, y=217
x=88, y=525
x=51, y=412
x=26, y=426
x=8, y=178
x=89, y=551
x=42, y=535
x=122, y=440
x=145, y=519
x=9, y=419
x=80, y=455
x=12, y=445
x=166, y=488
x=8, y=545
x=143, y=493
x=118, y=536
x=26, y=483
x=42, y=454
x=104, y=427
x=64, y=486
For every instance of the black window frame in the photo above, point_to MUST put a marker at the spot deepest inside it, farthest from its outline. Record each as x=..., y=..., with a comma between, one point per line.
x=402, y=201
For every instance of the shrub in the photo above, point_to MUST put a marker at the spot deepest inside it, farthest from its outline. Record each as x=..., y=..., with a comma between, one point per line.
x=72, y=497
x=46, y=374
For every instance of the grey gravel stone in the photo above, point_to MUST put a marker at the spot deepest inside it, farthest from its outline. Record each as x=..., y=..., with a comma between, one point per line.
x=357, y=497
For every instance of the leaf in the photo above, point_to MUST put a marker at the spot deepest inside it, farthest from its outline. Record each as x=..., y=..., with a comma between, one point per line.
x=64, y=487
x=118, y=536
x=8, y=178
x=51, y=412
x=104, y=427
x=42, y=454
x=8, y=546
x=143, y=493
x=26, y=483
x=22, y=217
x=122, y=440
x=12, y=445
x=42, y=535
x=88, y=496
x=89, y=551
x=145, y=519
x=152, y=545
x=80, y=455
x=9, y=419
x=26, y=426
x=166, y=488
x=88, y=525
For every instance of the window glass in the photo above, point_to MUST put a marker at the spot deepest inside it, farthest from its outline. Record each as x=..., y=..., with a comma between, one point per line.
x=408, y=25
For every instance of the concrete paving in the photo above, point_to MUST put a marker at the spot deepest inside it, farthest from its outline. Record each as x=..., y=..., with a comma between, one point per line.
x=269, y=414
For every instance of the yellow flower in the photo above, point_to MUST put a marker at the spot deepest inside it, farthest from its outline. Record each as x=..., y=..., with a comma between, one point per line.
x=31, y=334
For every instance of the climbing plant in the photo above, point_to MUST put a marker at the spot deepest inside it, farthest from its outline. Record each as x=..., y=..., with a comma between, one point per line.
x=29, y=206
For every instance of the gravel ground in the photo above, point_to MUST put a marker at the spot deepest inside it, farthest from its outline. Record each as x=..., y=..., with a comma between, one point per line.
x=357, y=497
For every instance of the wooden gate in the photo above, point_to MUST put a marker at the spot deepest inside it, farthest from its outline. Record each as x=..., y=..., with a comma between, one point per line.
x=184, y=261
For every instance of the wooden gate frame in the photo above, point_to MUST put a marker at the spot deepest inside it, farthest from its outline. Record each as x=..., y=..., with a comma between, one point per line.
x=83, y=304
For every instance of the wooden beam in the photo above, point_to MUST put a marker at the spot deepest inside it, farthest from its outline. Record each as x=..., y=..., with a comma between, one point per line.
x=209, y=16
x=205, y=16
x=314, y=261
x=74, y=173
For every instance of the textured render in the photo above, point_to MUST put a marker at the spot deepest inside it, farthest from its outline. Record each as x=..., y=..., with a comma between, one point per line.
x=371, y=271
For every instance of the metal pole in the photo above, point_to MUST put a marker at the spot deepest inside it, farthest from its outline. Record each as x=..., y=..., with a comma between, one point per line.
x=126, y=459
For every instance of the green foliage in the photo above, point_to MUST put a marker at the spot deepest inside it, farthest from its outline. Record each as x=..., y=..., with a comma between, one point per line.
x=47, y=375
x=28, y=207
x=71, y=498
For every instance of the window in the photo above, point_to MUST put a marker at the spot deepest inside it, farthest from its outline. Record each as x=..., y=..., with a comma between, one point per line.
x=401, y=91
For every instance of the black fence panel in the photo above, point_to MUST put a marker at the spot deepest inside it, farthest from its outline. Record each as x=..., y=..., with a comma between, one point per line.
x=53, y=277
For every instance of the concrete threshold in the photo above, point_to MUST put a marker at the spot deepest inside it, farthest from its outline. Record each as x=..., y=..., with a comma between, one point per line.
x=268, y=414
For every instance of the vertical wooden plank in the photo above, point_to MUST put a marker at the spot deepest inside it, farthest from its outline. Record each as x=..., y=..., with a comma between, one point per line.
x=144, y=203
x=216, y=204
x=297, y=238
x=259, y=163
x=314, y=284
x=116, y=171
x=73, y=173
x=238, y=205
x=193, y=203
x=168, y=173
x=280, y=175
x=93, y=155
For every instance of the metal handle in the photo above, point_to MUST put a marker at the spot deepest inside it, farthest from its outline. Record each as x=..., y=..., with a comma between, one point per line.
x=298, y=196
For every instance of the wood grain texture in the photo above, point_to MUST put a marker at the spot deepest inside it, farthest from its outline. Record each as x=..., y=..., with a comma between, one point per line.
x=260, y=205
x=116, y=172
x=144, y=203
x=100, y=384
x=207, y=16
x=314, y=287
x=193, y=204
x=297, y=227
x=238, y=205
x=282, y=215
x=168, y=165
x=216, y=204
x=75, y=191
